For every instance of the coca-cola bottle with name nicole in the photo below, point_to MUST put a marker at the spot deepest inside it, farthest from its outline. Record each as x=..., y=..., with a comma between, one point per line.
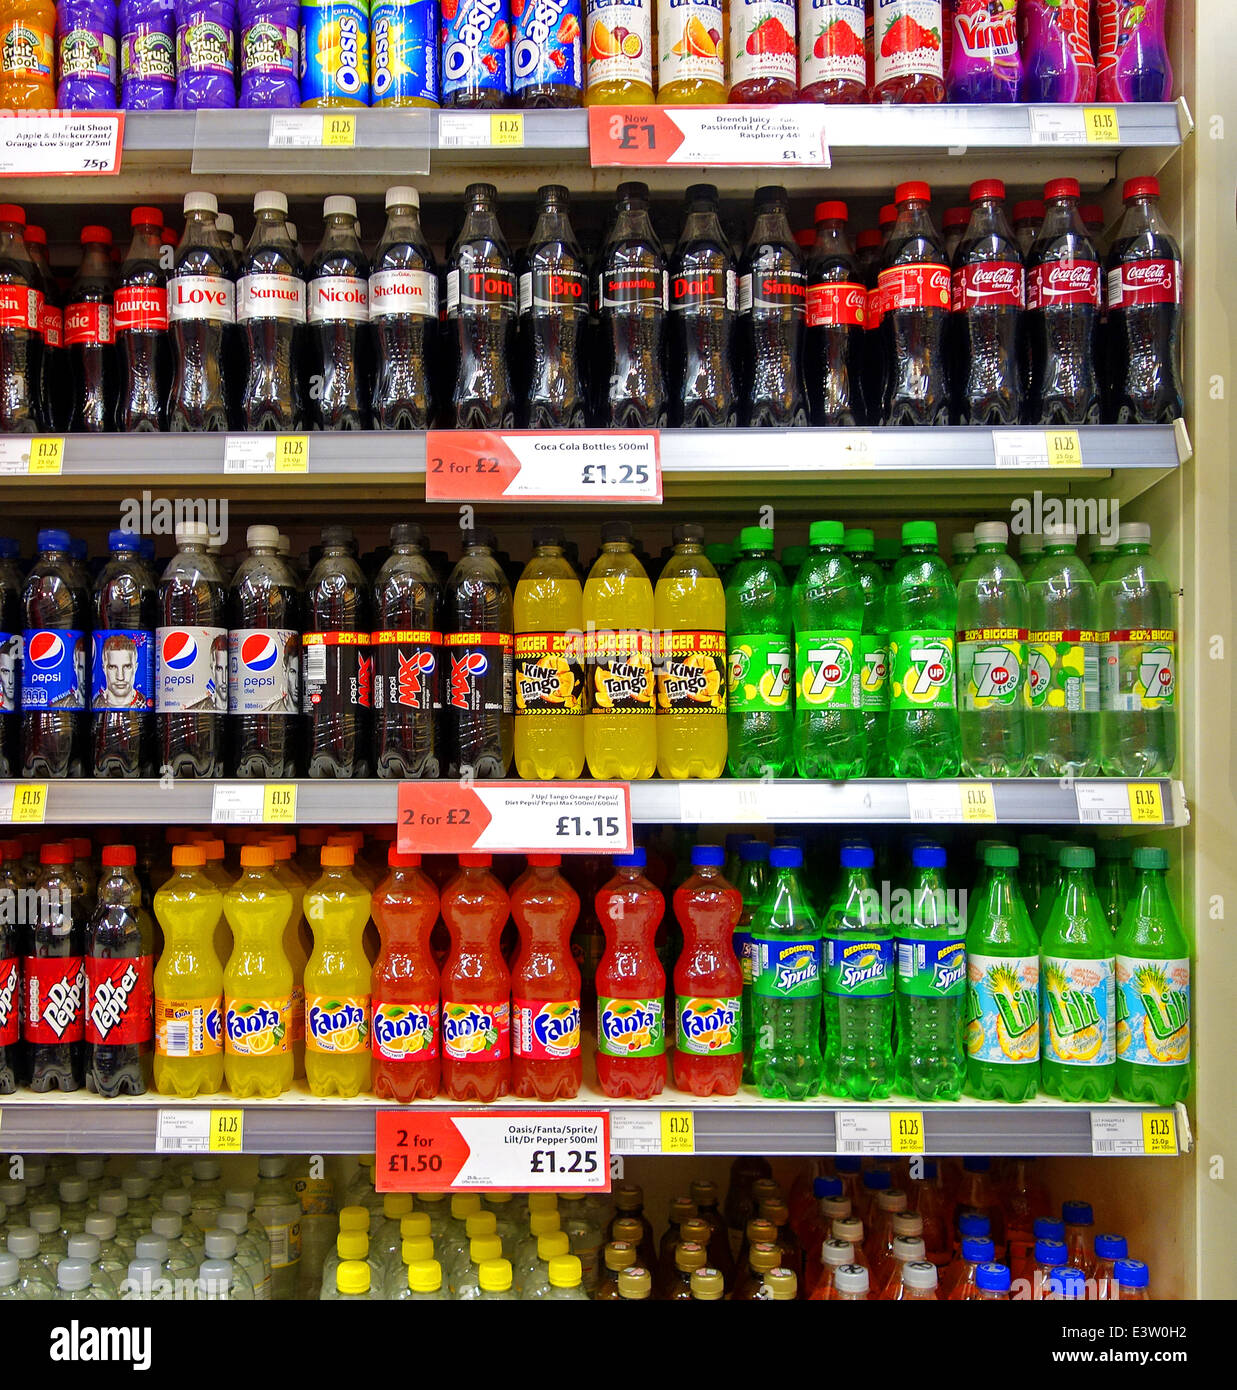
x=403, y=309
x=201, y=312
x=140, y=318
x=338, y=292
x=270, y=311
x=21, y=343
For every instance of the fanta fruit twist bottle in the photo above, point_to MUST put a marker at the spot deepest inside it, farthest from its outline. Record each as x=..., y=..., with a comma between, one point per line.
x=476, y=986
x=296, y=936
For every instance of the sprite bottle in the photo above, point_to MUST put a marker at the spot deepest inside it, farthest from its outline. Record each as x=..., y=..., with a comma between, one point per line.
x=1153, y=991
x=751, y=881
x=860, y=545
x=1002, y=1002
x=760, y=716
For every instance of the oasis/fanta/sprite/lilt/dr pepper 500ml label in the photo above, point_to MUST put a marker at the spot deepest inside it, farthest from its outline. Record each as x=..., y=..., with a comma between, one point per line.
x=404, y=40
x=476, y=52
x=334, y=53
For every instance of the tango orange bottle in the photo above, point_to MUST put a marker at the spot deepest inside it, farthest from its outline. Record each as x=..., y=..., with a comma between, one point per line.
x=545, y=985
x=476, y=986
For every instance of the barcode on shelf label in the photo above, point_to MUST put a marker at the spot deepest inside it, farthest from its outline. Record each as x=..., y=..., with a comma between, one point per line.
x=635, y=1133
x=934, y=802
x=1058, y=125
x=463, y=132
x=863, y=1132
x=1020, y=448
x=199, y=1131
x=292, y=130
x=237, y=803
x=1119, y=803
x=1115, y=1132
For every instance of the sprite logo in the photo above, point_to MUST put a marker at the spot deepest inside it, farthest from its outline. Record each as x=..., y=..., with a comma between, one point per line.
x=799, y=968
x=948, y=973
x=866, y=967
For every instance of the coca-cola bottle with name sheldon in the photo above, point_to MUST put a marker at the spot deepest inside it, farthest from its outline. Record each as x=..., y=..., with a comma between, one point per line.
x=201, y=311
x=403, y=309
x=632, y=297
x=988, y=302
x=479, y=639
x=337, y=669
x=338, y=289
x=270, y=311
x=90, y=338
x=773, y=316
x=837, y=311
x=1144, y=284
x=55, y=642
x=54, y=976
x=481, y=317
x=120, y=944
x=703, y=299
x=1063, y=311
x=553, y=318
x=21, y=344
x=122, y=686
x=408, y=653
x=914, y=289
x=140, y=322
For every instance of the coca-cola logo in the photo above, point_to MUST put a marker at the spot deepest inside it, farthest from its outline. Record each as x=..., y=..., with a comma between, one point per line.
x=994, y=277
x=1062, y=275
x=1150, y=274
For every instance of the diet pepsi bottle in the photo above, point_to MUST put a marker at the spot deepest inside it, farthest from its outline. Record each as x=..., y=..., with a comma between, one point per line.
x=403, y=309
x=703, y=296
x=481, y=318
x=773, y=316
x=338, y=333
x=837, y=301
x=122, y=687
x=90, y=337
x=553, y=318
x=407, y=646
x=270, y=313
x=201, y=316
x=54, y=976
x=21, y=344
x=479, y=639
x=337, y=669
x=10, y=659
x=53, y=682
x=141, y=325
x=191, y=659
x=264, y=660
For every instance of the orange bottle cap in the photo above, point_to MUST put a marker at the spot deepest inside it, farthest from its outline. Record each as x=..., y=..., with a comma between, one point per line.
x=336, y=856
x=188, y=856
x=257, y=856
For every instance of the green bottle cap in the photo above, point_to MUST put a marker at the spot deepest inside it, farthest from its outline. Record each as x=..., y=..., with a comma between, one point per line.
x=1113, y=849
x=859, y=541
x=1036, y=844
x=888, y=548
x=793, y=556
x=756, y=538
x=1001, y=857
x=719, y=553
x=919, y=533
x=826, y=533
x=1077, y=857
x=1149, y=857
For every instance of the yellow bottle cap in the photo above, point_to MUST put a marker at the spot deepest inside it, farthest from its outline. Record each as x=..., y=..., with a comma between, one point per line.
x=482, y=1248
x=352, y=1276
x=541, y=1223
x=500, y=1197
x=417, y=1248
x=565, y=1271
x=433, y=1198
x=782, y=1284
x=425, y=1276
x=464, y=1205
x=354, y=1219
x=416, y=1223
x=620, y=1254
x=552, y=1244
x=396, y=1204
x=542, y=1201
x=707, y=1285
x=635, y=1282
x=495, y=1276
x=481, y=1223
x=352, y=1245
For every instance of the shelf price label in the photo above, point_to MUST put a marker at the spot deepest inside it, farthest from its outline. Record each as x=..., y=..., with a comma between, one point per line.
x=1064, y=449
x=29, y=803
x=678, y=1132
x=906, y=1131
x=266, y=453
x=1119, y=803
x=548, y=466
x=32, y=456
x=339, y=129
x=864, y=1132
x=200, y=1130
x=978, y=803
x=735, y=136
x=54, y=143
x=1101, y=125
x=253, y=803
x=461, y=1151
x=1118, y=1133
x=1146, y=803
x=311, y=130
x=514, y=817
x=507, y=129
x=1160, y=1133
x=279, y=803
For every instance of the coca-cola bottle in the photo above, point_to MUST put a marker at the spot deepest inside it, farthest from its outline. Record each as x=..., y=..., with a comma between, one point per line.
x=54, y=379
x=337, y=669
x=54, y=976
x=631, y=295
x=407, y=646
x=479, y=641
x=772, y=316
x=837, y=310
x=55, y=644
x=1063, y=310
x=338, y=356
x=21, y=343
x=481, y=317
x=140, y=322
x=11, y=624
x=553, y=318
x=122, y=688
x=914, y=293
x=270, y=312
x=403, y=309
x=988, y=302
x=90, y=336
x=201, y=315
x=120, y=944
x=1144, y=283
x=869, y=248
x=1028, y=218
x=703, y=299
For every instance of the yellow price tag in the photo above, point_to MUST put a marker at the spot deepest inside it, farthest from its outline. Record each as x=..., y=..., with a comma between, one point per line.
x=507, y=128
x=1102, y=125
x=678, y=1132
x=977, y=802
x=29, y=803
x=1146, y=804
x=227, y=1131
x=292, y=453
x=46, y=455
x=1064, y=448
x=279, y=803
x=906, y=1131
x=1160, y=1132
x=339, y=129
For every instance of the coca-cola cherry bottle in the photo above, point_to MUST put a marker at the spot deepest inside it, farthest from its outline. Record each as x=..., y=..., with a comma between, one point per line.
x=201, y=311
x=481, y=317
x=837, y=301
x=403, y=309
x=703, y=297
x=553, y=318
x=772, y=316
x=21, y=343
x=90, y=338
x=338, y=315
x=270, y=312
x=141, y=323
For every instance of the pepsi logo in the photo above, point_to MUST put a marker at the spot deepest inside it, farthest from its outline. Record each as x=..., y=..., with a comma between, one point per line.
x=476, y=663
x=259, y=652
x=180, y=650
x=45, y=650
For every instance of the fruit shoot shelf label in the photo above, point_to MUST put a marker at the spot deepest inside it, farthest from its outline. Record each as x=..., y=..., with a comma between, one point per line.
x=46, y=144
x=733, y=136
x=514, y=817
x=547, y=466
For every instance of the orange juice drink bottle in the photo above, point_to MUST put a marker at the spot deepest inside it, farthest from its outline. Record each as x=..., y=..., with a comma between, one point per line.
x=618, y=52
x=337, y=980
x=476, y=986
x=691, y=53
x=545, y=985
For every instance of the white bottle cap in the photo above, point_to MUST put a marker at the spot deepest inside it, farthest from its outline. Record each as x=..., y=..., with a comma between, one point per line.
x=45, y=1219
x=963, y=540
x=991, y=532
x=94, y=1168
x=919, y=1274
x=837, y=1252
x=84, y=1247
x=908, y=1248
x=290, y=228
x=232, y=1219
x=851, y=1279
x=892, y=1199
x=225, y=224
x=113, y=1203
x=142, y=1274
x=167, y=1224
x=265, y=536
x=190, y=533
x=268, y=200
x=1060, y=532
x=339, y=206
x=849, y=1229
x=220, y=1245
x=103, y=1225
x=241, y=1197
x=74, y=1189
x=283, y=545
x=23, y=1242
x=215, y=1277
x=401, y=196
x=201, y=202
x=907, y=1223
x=9, y=1268
x=179, y=1202
x=1134, y=533
x=134, y=1184
x=73, y=1274
x=272, y=1166
x=151, y=1248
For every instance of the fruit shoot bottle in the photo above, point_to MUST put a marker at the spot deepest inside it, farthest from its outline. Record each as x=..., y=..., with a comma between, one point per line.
x=763, y=46
x=476, y=986
x=691, y=53
x=832, y=61
x=338, y=1060
x=618, y=52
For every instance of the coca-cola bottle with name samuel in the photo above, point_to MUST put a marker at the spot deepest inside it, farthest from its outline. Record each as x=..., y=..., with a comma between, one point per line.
x=201, y=312
x=772, y=316
x=553, y=318
x=703, y=305
x=90, y=338
x=338, y=290
x=270, y=311
x=140, y=320
x=481, y=317
x=837, y=302
x=403, y=309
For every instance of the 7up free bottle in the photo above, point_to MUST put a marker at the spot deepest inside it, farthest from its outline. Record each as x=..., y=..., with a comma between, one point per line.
x=760, y=715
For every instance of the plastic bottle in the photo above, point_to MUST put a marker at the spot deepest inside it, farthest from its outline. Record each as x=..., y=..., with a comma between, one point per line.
x=836, y=320
x=618, y=52
x=476, y=991
x=52, y=384
x=1077, y=962
x=119, y=967
x=760, y=719
x=89, y=336
x=481, y=316
x=407, y=655
x=907, y=43
x=335, y=53
x=122, y=679
x=54, y=978
x=268, y=43
x=1057, y=62
x=278, y=1211
x=476, y=55
x=140, y=323
x=55, y=612
x=1133, y=1281
x=832, y=65
x=689, y=615
x=873, y=651
x=985, y=66
x=403, y=308
x=337, y=664
x=545, y=985
x=772, y=316
x=1133, y=52
x=547, y=58
x=553, y=304
x=270, y=313
x=201, y=306
x=691, y=54
x=405, y=987
x=28, y=77
x=337, y=980
x=478, y=623
x=631, y=984
x=988, y=303
x=763, y=51
x=147, y=54
x=86, y=52
x=915, y=295
x=338, y=356
x=205, y=54
x=703, y=290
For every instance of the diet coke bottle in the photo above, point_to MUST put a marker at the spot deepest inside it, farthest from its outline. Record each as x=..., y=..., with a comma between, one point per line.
x=703, y=303
x=772, y=316
x=270, y=311
x=553, y=317
x=338, y=332
x=481, y=317
x=403, y=308
x=837, y=302
x=141, y=326
x=21, y=342
x=201, y=314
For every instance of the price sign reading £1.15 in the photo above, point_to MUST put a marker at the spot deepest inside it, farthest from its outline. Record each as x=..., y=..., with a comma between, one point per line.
x=514, y=817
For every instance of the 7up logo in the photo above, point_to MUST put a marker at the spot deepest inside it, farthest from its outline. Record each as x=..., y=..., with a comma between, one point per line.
x=826, y=669
x=921, y=669
x=1155, y=672
x=995, y=673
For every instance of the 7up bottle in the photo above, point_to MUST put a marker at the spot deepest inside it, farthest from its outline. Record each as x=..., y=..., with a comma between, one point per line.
x=860, y=545
x=760, y=716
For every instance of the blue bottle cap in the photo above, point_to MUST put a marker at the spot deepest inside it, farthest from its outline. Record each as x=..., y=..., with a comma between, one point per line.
x=708, y=856
x=147, y=547
x=877, y=1179
x=1131, y=1274
x=1110, y=1247
x=977, y=1249
x=77, y=547
x=929, y=1169
x=785, y=857
x=972, y=1224
x=123, y=540
x=1067, y=1283
x=847, y=1163
x=977, y=1165
x=1077, y=1214
x=826, y=1187
x=857, y=857
x=635, y=860
x=9, y=549
x=1050, y=1252
x=798, y=842
x=52, y=539
x=992, y=1278
x=928, y=857
x=753, y=850
x=734, y=840
x=1048, y=1228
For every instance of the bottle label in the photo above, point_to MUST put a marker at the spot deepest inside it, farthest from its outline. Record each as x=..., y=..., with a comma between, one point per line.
x=140, y=309
x=394, y=292
x=860, y=967
x=481, y=675
x=480, y=289
x=630, y=1027
x=123, y=670
x=1056, y=284
x=690, y=46
x=758, y=672
x=989, y=285
x=338, y=299
x=691, y=676
x=831, y=42
x=51, y=325
x=189, y=1027
x=1138, y=669
x=921, y=669
x=336, y=667
x=476, y=48
x=404, y=1032
x=298, y=1013
x=931, y=969
x=908, y=39
x=1002, y=1009
x=191, y=670
x=476, y=1032
x=560, y=291
x=546, y=51
x=1078, y=1011
x=762, y=41
x=337, y=1023
x=549, y=673
x=876, y=308
x=1063, y=670
x=20, y=307
x=622, y=671
x=778, y=290
x=546, y=1031
x=786, y=969
x=826, y=672
x=1121, y=22
x=259, y=1027
x=708, y=1026
x=635, y=289
x=54, y=991
x=148, y=54
x=270, y=297
x=841, y=304
x=1138, y=283
x=53, y=669
x=269, y=48
x=742, y=941
x=10, y=671
x=118, y=1000
x=208, y=297
x=335, y=52
x=1153, y=1011
x=10, y=1001
x=992, y=663
x=262, y=670
x=203, y=46
x=404, y=34
x=920, y=286
x=873, y=673
x=89, y=54
x=88, y=325
x=29, y=51
x=619, y=43
x=988, y=36
x=704, y=290
x=406, y=669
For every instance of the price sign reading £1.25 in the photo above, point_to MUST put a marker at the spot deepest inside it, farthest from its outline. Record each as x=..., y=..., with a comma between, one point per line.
x=542, y=465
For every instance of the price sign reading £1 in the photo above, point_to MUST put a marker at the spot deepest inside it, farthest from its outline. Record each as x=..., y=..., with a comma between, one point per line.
x=542, y=465
x=514, y=817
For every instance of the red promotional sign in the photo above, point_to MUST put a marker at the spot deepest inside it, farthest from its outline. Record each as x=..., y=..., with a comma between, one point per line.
x=47, y=144
x=542, y=465
x=737, y=136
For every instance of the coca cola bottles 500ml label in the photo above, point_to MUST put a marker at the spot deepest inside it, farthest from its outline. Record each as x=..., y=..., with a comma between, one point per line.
x=481, y=317
x=403, y=308
x=703, y=301
x=201, y=300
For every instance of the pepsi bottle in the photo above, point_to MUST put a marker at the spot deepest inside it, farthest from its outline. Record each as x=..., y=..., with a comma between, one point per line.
x=407, y=647
x=337, y=669
x=403, y=312
x=122, y=686
x=481, y=318
x=553, y=318
x=837, y=301
x=338, y=333
x=772, y=317
x=703, y=295
x=10, y=659
x=55, y=609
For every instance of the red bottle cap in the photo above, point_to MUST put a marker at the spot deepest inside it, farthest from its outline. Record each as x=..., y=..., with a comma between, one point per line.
x=146, y=217
x=1030, y=211
x=805, y=238
x=987, y=188
x=870, y=237
x=476, y=861
x=830, y=212
x=1141, y=188
x=888, y=215
x=83, y=847
x=399, y=859
x=56, y=853
x=544, y=861
x=36, y=235
x=119, y=856
x=957, y=217
x=10, y=849
x=10, y=212
x=906, y=191
x=1062, y=188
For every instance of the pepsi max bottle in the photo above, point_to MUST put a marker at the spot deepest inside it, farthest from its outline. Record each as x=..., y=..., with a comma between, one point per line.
x=479, y=640
x=337, y=673
x=10, y=660
x=122, y=686
x=53, y=682
x=407, y=647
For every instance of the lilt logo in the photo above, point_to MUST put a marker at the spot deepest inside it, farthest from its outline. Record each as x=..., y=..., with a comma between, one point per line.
x=78, y=1343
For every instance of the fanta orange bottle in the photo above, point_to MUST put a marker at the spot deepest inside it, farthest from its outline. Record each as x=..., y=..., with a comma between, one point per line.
x=337, y=978
x=631, y=984
x=545, y=985
x=476, y=986
x=297, y=942
x=404, y=1037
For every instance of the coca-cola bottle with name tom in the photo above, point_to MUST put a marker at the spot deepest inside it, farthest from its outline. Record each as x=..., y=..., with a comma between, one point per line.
x=270, y=311
x=703, y=305
x=21, y=343
x=837, y=302
x=772, y=316
x=403, y=309
x=140, y=321
x=90, y=337
x=338, y=290
x=481, y=317
x=201, y=310
x=553, y=318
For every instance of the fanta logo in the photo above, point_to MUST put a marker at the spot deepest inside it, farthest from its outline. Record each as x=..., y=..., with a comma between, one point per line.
x=242, y=1026
x=180, y=650
x=45, y=650
x=709, y=1024
x=557, y=1028
x=214, y=1025
x=337, y=1026
x=259, y=652
x=628, y=1026
x=401, y=1029
x=464, y=671
x=470, y=1028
